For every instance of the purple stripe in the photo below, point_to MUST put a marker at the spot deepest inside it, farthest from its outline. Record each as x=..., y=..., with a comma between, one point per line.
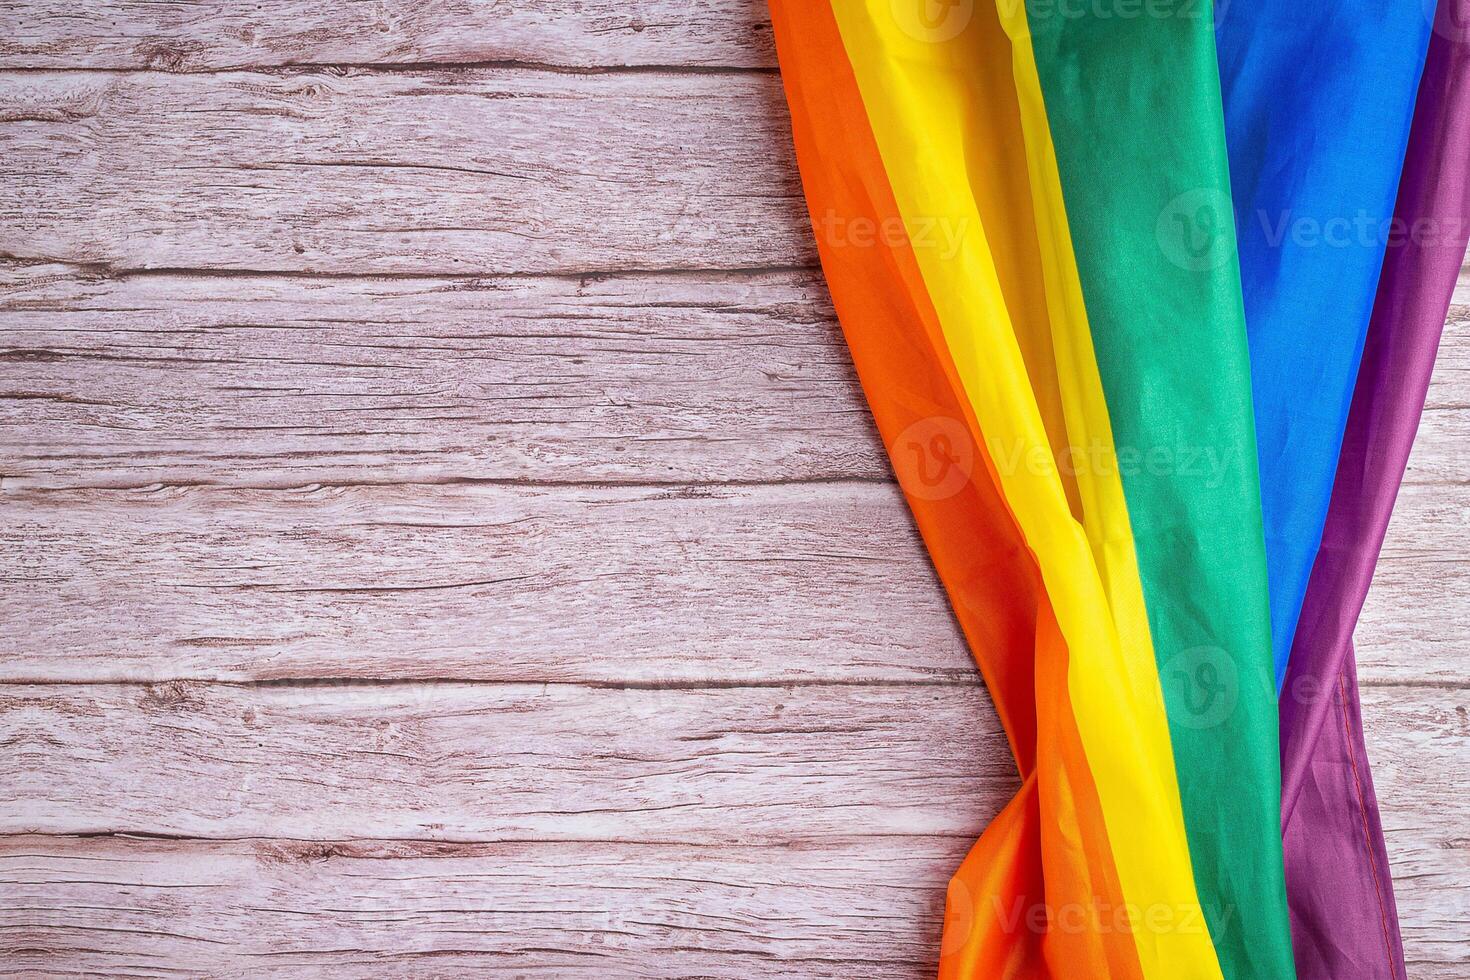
x=1344, y=921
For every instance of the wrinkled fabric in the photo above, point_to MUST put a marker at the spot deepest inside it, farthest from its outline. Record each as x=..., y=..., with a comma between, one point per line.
x=1318, y=96
x=1107, y=286
x=1079, y=342
x=1344, y=920
x=1167, y=339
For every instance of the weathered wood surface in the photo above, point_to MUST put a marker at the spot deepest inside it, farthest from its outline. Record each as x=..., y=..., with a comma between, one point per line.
x=442, y=532
x=447, y=172
x=274, y=381
x=1461, y=298
x=785, y=581
x=831, y=908
x=487, y=762
x=278, y=383
x=505, y=761
x=839, y=908
x=188, y=37
x=748, y=810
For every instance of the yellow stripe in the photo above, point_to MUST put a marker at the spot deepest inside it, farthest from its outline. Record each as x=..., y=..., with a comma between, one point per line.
x=932, y=104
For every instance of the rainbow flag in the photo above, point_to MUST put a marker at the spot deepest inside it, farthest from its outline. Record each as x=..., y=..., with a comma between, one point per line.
x=1131, y=388
x=1025, y=219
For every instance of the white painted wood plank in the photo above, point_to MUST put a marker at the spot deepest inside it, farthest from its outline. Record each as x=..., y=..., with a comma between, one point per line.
x=1414, y=624
x=286, y=382
x=1419, y=744
x=496, y=762
x=841, y=908
x=1461, y=296
x=197, y=36
x=688, y=584
x=869, y=907
x=1444, y=428
x=279, y=381
x=502, y=762
x=284, y=768
x=685, y=584
x=356, y=171
x=496, y=583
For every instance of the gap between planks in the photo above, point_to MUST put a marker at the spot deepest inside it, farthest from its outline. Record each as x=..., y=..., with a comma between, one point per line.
x=708, y=684
x=344, y=69
x=108, y=271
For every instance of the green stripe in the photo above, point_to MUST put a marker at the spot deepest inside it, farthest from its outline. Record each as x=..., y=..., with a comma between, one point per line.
x=1133, y=101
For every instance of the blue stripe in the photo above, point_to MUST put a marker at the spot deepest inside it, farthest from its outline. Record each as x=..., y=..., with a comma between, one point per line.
x=1318, y=98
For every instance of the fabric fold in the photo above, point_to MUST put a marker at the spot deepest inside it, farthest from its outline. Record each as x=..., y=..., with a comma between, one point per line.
x=1097, y=425
x=1161, y=287
x=1318, y=97
x=868, y=254
x=1344, y=918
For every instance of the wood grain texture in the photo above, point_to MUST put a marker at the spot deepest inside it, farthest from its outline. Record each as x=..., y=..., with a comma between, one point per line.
x=487, y=762
x=770, y=830
x=441, y=533
x=838, y=908
x=776, y=582
x=188, y=37
x=834, y=908
x=279, y=382
x=275, y=381
x=426, y=172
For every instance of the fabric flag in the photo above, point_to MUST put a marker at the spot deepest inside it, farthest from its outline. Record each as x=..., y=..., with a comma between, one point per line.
x=1318, y=96
x=1025, y=222
x=1344, y=920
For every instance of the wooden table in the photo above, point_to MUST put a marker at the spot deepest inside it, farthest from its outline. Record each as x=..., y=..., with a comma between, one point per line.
x=442, y=531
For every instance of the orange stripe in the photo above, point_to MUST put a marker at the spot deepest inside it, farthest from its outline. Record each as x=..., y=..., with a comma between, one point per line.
x=992, y=579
